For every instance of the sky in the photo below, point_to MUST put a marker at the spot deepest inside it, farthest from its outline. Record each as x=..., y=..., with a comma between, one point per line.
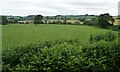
x=58, y=7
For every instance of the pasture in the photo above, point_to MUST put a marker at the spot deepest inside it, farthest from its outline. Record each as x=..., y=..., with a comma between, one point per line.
x=21, y=34
x=68, y=54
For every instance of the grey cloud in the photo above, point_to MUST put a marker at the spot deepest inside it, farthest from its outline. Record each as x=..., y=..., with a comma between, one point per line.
x=53, y=7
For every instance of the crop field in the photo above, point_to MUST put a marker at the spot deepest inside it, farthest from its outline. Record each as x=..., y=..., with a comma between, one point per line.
x=19, y=34
x=117, y=22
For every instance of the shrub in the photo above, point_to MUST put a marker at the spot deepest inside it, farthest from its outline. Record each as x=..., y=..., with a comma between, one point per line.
x=108, y=36
x=103, y=56
x=64, y=55
x=114, y=28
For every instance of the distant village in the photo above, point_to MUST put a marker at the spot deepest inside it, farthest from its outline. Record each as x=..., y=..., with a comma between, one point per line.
x=71, y=19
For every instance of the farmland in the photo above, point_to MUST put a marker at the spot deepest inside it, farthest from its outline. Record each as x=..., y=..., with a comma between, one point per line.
x=53, y=48
x=19, y=34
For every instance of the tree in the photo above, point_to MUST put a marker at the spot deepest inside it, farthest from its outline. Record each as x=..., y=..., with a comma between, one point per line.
x=38, y=19
x=4, y=20
x=94, y=21
x=64, y=21
x=82, y=19
x=88, y=23
x=104, y=19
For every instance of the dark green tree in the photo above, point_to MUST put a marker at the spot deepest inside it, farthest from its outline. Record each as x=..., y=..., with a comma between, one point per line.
x=103, y=20
x=38, y=19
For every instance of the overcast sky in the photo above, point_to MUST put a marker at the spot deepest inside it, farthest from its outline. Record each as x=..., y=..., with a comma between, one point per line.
x=58, y=7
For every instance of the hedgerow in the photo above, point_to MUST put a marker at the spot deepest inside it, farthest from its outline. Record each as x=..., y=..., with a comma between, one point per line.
x=64, y=55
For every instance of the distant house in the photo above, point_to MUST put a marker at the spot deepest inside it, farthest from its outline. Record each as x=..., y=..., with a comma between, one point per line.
x=30, y=21
x=22, y=22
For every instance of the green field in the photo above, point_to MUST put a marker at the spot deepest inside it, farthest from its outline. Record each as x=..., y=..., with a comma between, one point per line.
x=23, y=50
x=19, y=34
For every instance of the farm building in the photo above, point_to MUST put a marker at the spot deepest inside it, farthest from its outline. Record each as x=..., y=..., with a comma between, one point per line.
x=30, y=21
x=22, y=22
x=26, y=22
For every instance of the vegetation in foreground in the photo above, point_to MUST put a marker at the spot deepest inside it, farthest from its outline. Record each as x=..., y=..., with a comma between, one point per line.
x=100, y=54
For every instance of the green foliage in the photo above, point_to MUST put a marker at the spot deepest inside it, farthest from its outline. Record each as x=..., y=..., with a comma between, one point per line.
x=82, y=19
x=38, y=19
x=67, y=55
x=94, y=22
x=108, y=36
x=102, y=56
x=103, y=20
x=49, y=55
x=88, y=23
x=114, y=28
x=63, y=55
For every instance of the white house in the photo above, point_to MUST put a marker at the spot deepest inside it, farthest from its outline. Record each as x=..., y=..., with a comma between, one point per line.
x=22, y=22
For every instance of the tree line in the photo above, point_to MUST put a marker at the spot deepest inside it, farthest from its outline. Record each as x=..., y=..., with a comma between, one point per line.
x=103, y=21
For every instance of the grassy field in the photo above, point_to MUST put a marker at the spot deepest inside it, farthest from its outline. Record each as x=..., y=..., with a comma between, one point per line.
x=19, y=34
x=18, y=54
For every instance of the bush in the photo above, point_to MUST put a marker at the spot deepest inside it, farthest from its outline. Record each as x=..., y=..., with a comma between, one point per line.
x=114, y=28
x=88, y=23
x=63, y=55
x=102, y=56
x=108, y=36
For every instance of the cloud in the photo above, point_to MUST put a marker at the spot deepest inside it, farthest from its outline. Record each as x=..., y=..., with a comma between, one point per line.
x=55, y=7
x=89, y=4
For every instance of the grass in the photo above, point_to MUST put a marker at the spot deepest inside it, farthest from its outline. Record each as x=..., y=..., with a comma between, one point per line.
x=19, y=34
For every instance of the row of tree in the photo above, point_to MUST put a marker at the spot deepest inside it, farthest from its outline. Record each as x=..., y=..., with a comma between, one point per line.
x=103, y=20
